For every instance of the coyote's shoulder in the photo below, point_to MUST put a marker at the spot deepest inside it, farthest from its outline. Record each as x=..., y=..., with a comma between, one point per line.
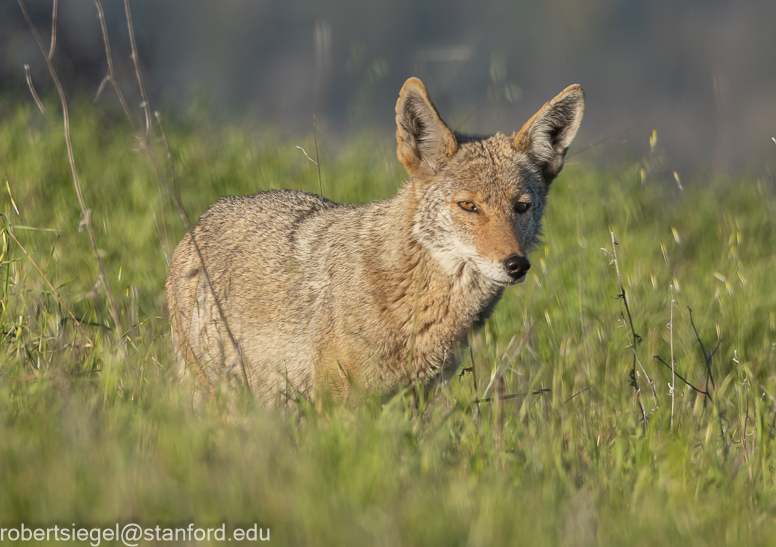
x=295, y=293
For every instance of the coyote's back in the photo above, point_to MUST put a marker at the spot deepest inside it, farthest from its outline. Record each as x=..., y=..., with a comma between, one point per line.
x=293, y=293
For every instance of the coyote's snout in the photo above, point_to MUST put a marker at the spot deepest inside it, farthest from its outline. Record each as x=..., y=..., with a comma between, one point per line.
x=291, y=292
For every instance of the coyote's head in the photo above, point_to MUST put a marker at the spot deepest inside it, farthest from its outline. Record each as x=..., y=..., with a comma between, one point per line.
x=480, y=200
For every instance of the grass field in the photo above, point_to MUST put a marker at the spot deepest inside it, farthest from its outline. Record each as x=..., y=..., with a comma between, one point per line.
x=91, y=438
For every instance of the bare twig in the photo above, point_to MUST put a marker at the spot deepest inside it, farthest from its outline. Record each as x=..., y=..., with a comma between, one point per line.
x=306, y=155
x=111, y=76
x=176, y=193
x=636, y=337
x=634, y=375
x=580, y=392
x=706, y=355
x=700, y=391
x=161, y=241
x=146, y=107
x=474, y=380
x=37, y=99
x=76, y=181
x=175, y=197
x=53, y=30
x=500, y=393
x=317, y=160
x=182, y=213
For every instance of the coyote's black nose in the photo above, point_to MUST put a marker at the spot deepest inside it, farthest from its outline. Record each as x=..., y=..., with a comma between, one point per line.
x=517, y=266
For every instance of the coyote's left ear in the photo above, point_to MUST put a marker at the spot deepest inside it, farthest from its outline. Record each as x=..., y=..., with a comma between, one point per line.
x=548, y=134
x=424, y=142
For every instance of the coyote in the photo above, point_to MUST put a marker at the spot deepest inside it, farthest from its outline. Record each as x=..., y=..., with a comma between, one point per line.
x=292, y=293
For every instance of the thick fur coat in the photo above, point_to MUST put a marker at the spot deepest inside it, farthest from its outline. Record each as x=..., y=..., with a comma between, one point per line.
x=296, y=294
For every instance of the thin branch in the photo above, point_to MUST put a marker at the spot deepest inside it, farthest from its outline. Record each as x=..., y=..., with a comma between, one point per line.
x=53, y=30
x=161, y=241
x=636, y=337
x=634, y=374
x=474, y=381
x=500, y=394
x=76, y=181
x=189, y=228
x=578, y=393
x=706, y=355
x=135, y=61
x=182, y=213
x=706, y=393
x=37, y=99
x=111, y=77
x=174, y=192
x=306, y=155
x=100, y=89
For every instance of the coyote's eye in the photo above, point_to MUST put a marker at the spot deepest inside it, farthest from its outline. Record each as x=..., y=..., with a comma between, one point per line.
x=521, y=207
x=468, y=206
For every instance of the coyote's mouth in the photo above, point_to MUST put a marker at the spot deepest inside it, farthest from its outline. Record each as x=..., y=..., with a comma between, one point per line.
x=494, y=273
x=515, y=281
x=505, y=283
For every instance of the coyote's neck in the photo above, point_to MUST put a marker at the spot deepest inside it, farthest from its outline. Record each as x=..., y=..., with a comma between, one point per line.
x=433, y=303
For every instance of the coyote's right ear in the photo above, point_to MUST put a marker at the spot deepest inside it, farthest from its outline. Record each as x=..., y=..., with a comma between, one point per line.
x=548, y=134
x=424, y=142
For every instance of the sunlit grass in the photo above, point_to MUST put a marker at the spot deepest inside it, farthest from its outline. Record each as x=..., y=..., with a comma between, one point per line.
x=91, y=438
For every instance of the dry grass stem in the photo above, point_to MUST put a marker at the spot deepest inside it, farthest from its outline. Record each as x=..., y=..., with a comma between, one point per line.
x=53, y=290
x=500, y=394
x=144, y=104
x=635, y=339
x=53, y=29
x=37, y=99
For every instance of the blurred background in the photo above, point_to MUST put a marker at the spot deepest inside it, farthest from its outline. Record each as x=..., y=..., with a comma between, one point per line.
x=702, y=73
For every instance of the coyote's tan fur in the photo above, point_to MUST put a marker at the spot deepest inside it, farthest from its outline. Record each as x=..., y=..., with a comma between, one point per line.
x=300, y=294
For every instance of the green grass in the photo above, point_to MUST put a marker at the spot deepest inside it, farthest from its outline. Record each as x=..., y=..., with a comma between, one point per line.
x=93, y=439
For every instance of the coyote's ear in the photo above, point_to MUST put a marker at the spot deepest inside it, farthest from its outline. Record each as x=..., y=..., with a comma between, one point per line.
x=548, y=134
x=424, y=142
